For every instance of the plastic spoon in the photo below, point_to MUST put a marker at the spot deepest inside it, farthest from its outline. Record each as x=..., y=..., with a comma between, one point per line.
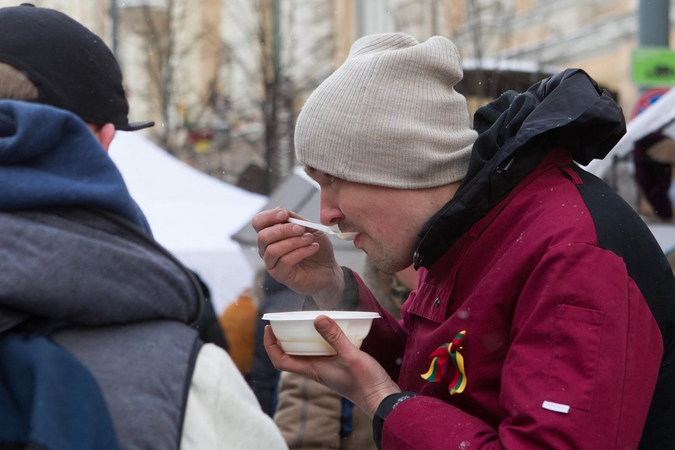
x=325, y=229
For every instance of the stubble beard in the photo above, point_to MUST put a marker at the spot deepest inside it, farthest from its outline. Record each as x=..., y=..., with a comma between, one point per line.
x=388, y=261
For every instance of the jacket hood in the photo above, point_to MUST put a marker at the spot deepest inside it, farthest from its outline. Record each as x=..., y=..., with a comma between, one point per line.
x=515, y=132
x=49, y=157
x=75, y=246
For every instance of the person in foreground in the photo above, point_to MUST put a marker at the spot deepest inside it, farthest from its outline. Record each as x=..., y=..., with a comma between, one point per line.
x=78, y=254
x=543, y=316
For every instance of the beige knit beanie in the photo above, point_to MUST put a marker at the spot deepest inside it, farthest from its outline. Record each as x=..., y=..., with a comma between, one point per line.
x=389, y=116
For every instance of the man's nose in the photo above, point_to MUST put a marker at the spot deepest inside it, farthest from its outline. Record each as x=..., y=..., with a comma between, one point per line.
x=329, y=212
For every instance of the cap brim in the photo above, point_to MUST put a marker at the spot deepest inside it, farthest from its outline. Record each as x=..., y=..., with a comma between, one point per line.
x=135, y=126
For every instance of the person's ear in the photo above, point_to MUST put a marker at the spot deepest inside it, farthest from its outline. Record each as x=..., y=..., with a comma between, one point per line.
x=105, y=135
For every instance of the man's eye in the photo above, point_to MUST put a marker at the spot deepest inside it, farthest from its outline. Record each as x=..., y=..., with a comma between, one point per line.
x=331, y=178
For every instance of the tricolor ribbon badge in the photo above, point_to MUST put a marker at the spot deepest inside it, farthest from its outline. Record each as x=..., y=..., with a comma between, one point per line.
x=441, y=355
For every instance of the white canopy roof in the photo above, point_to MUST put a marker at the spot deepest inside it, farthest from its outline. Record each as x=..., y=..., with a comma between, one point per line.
x=192, y=214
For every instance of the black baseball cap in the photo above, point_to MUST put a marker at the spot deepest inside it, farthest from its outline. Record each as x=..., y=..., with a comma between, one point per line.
x=72, y=68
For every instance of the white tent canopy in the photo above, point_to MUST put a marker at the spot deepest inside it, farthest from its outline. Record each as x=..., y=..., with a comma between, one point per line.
x=192, y=214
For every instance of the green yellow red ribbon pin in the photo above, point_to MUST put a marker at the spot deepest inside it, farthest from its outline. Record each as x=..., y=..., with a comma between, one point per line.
x=440, y=358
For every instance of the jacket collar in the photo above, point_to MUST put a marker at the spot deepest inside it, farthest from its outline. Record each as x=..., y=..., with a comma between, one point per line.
x=515, y=132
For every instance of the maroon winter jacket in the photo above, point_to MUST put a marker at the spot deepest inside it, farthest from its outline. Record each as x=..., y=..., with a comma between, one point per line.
x=565, y=298
x=549, y=317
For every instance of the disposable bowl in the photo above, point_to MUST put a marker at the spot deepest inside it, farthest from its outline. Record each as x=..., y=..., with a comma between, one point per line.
x=296, y=334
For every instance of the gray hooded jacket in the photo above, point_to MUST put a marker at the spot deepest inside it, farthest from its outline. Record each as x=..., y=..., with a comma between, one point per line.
x=124, y=304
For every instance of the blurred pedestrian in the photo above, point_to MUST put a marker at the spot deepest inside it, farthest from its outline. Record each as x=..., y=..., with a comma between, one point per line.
x=238, y=322
x=264, y=378
x=545, y=310
x=654, y=156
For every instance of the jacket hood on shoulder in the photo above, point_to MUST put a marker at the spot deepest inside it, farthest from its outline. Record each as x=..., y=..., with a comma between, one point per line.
x=75, y=246
x=49, y=157
x=515, y=132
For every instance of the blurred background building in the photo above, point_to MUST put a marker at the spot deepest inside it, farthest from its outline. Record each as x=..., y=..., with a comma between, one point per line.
x=224, y=79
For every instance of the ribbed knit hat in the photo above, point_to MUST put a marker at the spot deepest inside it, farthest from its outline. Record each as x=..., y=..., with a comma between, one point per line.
x=389, y=116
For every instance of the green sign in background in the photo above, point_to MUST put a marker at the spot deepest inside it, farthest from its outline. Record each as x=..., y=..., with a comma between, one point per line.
x=654, y=66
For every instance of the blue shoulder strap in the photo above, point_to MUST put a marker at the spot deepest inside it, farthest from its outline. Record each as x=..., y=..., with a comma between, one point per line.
x=49, y=399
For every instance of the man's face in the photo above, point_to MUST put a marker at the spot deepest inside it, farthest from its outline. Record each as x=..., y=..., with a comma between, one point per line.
x=387, y=219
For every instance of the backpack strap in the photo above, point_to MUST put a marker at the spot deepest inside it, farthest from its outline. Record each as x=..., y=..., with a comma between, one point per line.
x=48, y=399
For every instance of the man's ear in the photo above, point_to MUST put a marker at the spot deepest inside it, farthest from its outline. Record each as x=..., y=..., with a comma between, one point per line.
x=105, y=135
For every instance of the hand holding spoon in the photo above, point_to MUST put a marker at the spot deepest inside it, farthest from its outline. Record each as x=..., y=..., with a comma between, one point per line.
x=325, y=229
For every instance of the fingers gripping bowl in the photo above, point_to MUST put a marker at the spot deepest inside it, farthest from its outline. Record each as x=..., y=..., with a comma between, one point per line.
x=297, y=336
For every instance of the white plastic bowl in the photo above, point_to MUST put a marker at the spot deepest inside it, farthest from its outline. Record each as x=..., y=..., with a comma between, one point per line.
x=296, y=334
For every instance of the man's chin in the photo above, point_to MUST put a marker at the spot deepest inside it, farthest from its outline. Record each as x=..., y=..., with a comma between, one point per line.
x=387, y=265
